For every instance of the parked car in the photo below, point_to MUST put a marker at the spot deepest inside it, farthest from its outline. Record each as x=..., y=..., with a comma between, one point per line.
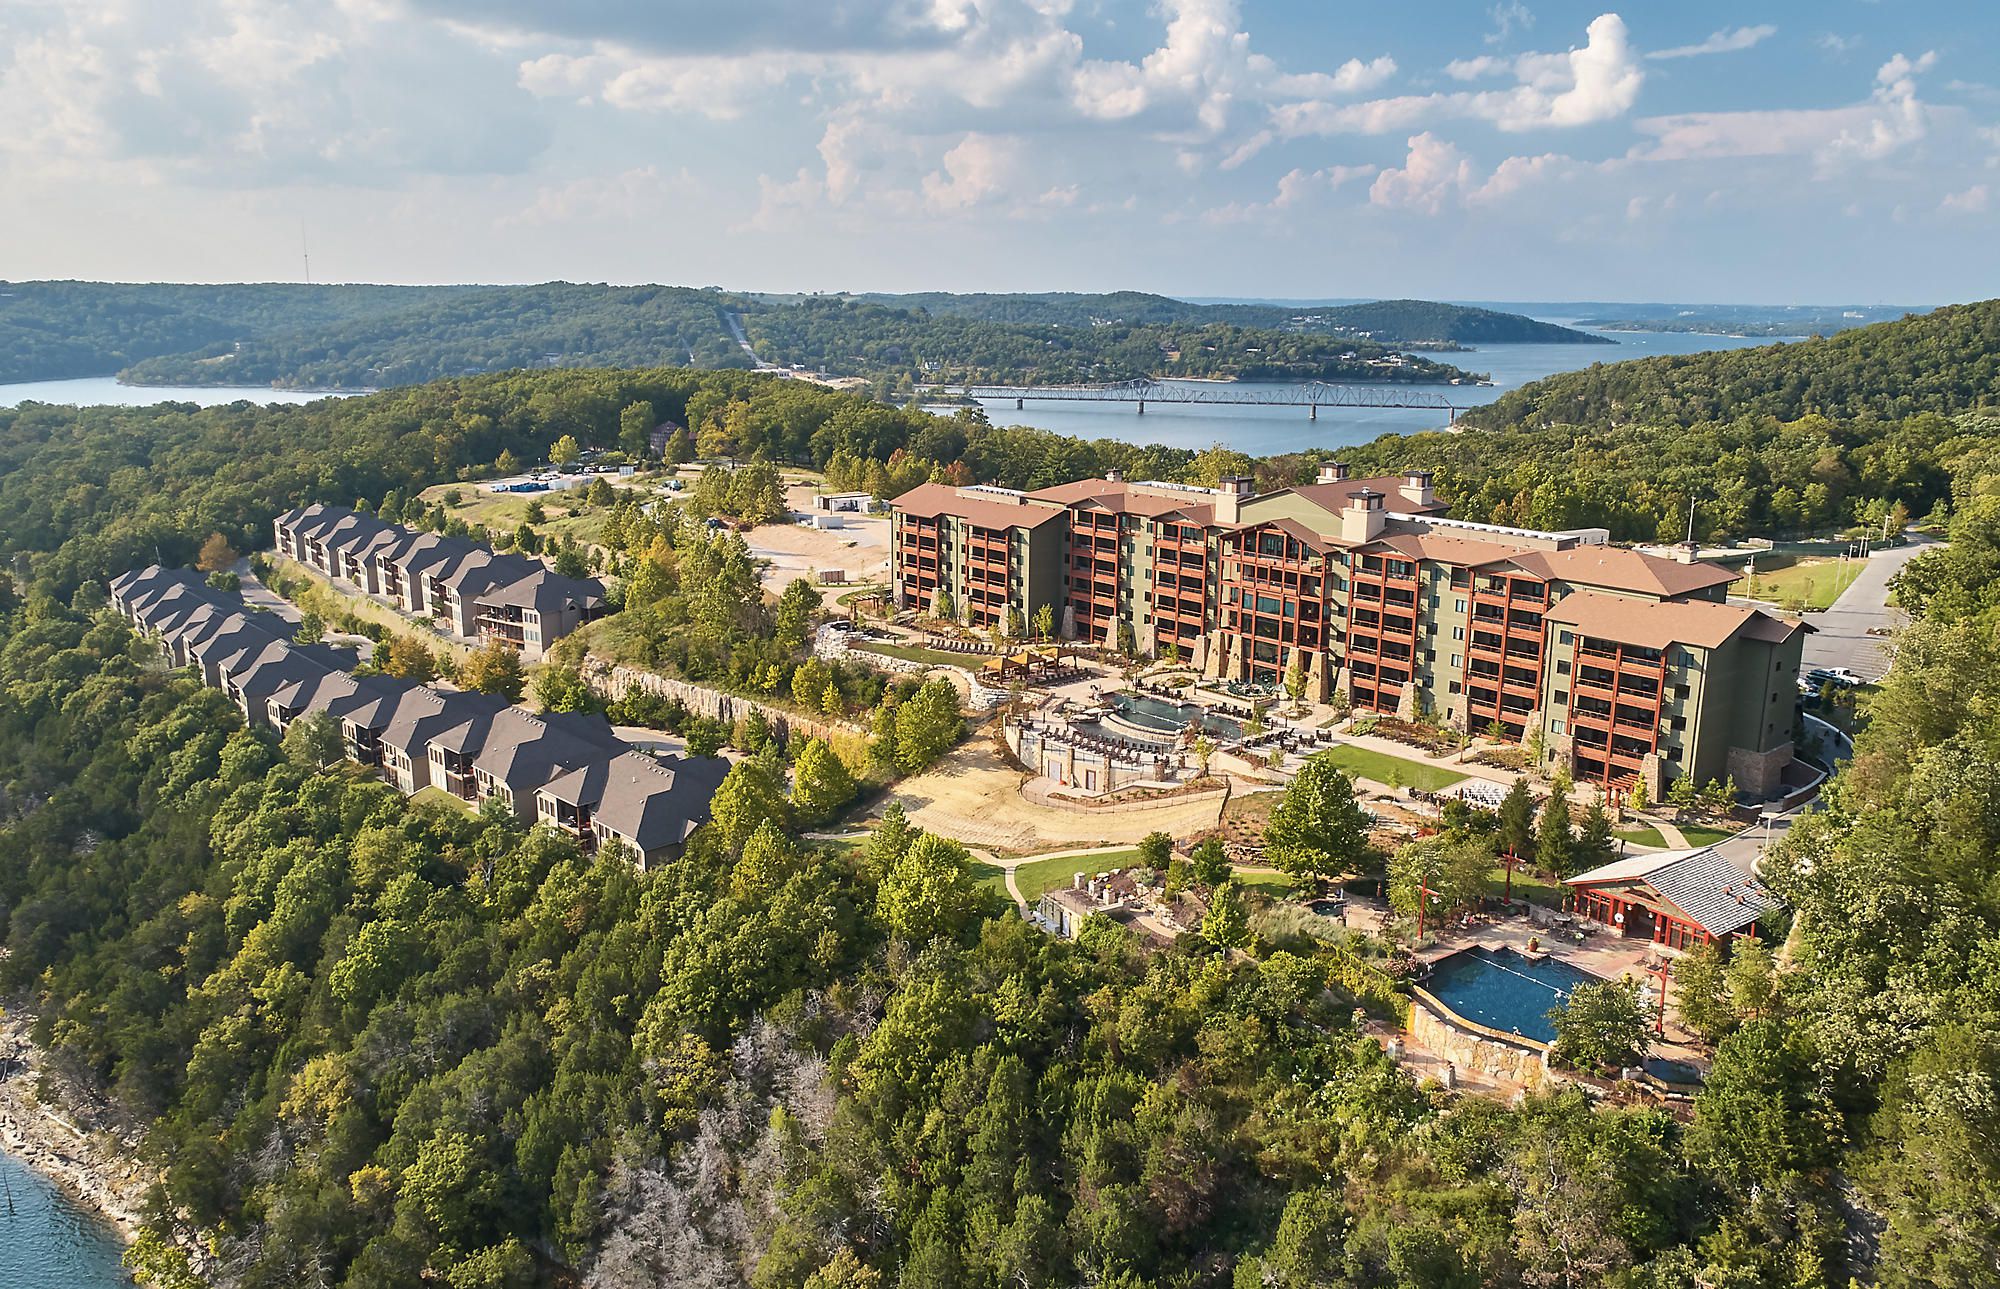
x=1839, y=676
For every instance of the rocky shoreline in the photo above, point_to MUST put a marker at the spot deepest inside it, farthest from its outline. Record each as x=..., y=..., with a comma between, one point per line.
x=70, y=1144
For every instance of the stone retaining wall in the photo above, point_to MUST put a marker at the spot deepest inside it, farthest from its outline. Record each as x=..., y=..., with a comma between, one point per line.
x=615, y=680
x=833, y=646
x=1470, y=1051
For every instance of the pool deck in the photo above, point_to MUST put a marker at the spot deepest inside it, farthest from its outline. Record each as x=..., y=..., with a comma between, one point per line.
x=1602, y=954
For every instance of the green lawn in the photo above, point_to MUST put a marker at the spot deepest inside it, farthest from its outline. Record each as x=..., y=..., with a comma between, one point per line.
x=1275, y=883
x=1645, y=836
x=1816, y=583
x=440, y=797
x=1392, y=770
x=991, y=875
x=1041, y=875
x=1698, y=835
x=1527, y=886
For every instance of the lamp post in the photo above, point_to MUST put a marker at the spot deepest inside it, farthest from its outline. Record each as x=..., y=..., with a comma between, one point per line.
x=1662, y=970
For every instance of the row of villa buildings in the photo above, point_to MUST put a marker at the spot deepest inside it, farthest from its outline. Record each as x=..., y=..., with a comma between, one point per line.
x=1631, y=667
x=565, y=769
x=475, y=592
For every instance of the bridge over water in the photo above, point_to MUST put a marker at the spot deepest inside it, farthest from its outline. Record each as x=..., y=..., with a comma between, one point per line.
x=1312, y=395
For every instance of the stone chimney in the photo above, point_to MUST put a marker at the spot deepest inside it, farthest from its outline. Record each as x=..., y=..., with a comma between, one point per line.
x=1416, y=488
x=1333, y=472
x=1686, y=552
x=1364, y=517
x=1230, y=494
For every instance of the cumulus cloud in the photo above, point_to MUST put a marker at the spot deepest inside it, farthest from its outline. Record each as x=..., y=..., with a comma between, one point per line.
x=1973, y=201
x=1727, y=41
x=1436, y=174
x=1892, y=118
x=1296, y=187
x=1598, y=81
x=979, y=168
x=244, y=94
x=629, y=194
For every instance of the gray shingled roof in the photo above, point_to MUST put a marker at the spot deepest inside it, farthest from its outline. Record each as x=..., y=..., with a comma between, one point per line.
x=1704, y=884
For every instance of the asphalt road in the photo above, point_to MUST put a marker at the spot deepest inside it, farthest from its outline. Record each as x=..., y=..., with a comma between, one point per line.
x=1841, y=636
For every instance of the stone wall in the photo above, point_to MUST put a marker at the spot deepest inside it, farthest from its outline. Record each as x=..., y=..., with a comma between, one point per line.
x=614, y=680
x=1469, y=1051
x=832, y=645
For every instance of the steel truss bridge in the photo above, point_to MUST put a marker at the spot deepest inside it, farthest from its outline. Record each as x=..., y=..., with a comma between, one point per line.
x=1311, y=395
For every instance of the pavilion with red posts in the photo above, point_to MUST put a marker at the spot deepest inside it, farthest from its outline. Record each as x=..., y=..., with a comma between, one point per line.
x=1676, y=899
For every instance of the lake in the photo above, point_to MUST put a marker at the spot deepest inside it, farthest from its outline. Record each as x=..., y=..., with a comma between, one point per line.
x=1267, y=431
x=47, y=1241
x=92, y=391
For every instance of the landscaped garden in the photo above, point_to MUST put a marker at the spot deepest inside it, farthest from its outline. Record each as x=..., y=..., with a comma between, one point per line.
x=1394, y=771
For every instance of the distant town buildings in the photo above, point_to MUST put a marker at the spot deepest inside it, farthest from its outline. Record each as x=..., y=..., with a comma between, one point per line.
x=475, y=592
x=565, y=769
x=1625, y=667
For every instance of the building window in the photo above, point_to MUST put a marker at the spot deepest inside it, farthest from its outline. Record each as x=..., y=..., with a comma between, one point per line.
x=1453, y=687
x=1562, y=637
x=1557, y=727
x=1562, y=696
x=1680, y=691
x=1458, y=605
x=1562, y=667
x=1458, y=660
x=1458, y=633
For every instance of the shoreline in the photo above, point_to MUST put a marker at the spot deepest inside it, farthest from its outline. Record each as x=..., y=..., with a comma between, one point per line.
x=96, y=1168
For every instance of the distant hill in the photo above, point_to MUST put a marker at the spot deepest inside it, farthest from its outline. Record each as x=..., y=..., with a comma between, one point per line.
x=1945, y=361
x=1405, y=322
x=340, y=336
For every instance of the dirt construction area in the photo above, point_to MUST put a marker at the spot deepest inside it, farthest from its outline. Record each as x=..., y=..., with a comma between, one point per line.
x=859, y=548
x=975, y=797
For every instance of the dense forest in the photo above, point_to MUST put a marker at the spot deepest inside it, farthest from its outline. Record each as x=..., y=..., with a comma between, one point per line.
x=384, y=1043
x=1421, y=322
x=899, y=348
x=1940, y=361
x=345, y=337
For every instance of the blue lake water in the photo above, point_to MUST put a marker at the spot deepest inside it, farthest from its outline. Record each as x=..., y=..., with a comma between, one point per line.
x=1266, y=431
x=92, y=391
x=49, y=1242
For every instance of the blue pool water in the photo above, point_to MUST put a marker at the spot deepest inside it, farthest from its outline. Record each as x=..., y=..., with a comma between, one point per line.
x=1171, y=718
x=1505, y=990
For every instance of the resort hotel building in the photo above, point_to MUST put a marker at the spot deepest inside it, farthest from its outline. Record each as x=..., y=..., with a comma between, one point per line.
x=1629, y=667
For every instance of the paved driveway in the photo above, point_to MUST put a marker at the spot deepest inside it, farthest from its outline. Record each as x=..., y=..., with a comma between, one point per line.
x=1841, y=636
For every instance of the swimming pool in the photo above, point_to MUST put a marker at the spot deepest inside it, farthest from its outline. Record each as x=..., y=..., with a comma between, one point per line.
x=1164, y=717
x=1505, y=990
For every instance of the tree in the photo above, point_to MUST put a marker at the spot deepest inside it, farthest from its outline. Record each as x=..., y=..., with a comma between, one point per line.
x=1700, y=996
x=680, y=446
x=1444, y=874
x=1204, y=752
x=565, y=451
x=1682, y=794
x=563, y=689
x=1717, y=798
x=1555, y=843
x=1751, y=978
x=1226, y=924
x=216, y=554
x=493, y=668
x=930, y=892
x=809, y=681
x=1638, y=799
x=830, y=701
x=1602, y=1026
x=221, y=580
x=748, y=799
x=821, y=784
x=1295, y=680
x=408, y=658
x=635, y=430
x=1934, y=1166
x=1317, y=829
x=506, y=463
x=927, y=725
x=1155, y=849
x=313, y=741
x=1211, y=862
x=1594, y=843
x=1045, y=622
x=942, y=605
x=570, y=561
x=311, y=629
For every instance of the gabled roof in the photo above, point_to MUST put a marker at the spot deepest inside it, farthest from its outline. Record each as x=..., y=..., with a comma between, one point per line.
x=1319, y=542
x=649, y=803
x=1713, y=892
x=1655, y=624
x=1333, y=497
x=1130, y=499
x=929, y=500
x=1460, y=552
x=544, y=591
x=1619, y=569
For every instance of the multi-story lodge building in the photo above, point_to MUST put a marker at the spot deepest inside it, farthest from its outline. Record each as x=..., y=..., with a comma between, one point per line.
x=567, y=770
x=479, y=594
x=1629, y=666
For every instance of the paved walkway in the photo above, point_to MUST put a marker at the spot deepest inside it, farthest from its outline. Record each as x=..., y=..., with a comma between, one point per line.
x=1841, y=636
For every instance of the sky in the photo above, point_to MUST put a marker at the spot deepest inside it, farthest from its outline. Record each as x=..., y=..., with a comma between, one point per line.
x=1806, y=151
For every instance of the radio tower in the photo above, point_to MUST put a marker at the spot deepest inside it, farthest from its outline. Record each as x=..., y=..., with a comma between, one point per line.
x=305, y=252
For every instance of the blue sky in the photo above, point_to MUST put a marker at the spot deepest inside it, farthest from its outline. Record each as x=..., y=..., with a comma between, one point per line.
x=1838, y=151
